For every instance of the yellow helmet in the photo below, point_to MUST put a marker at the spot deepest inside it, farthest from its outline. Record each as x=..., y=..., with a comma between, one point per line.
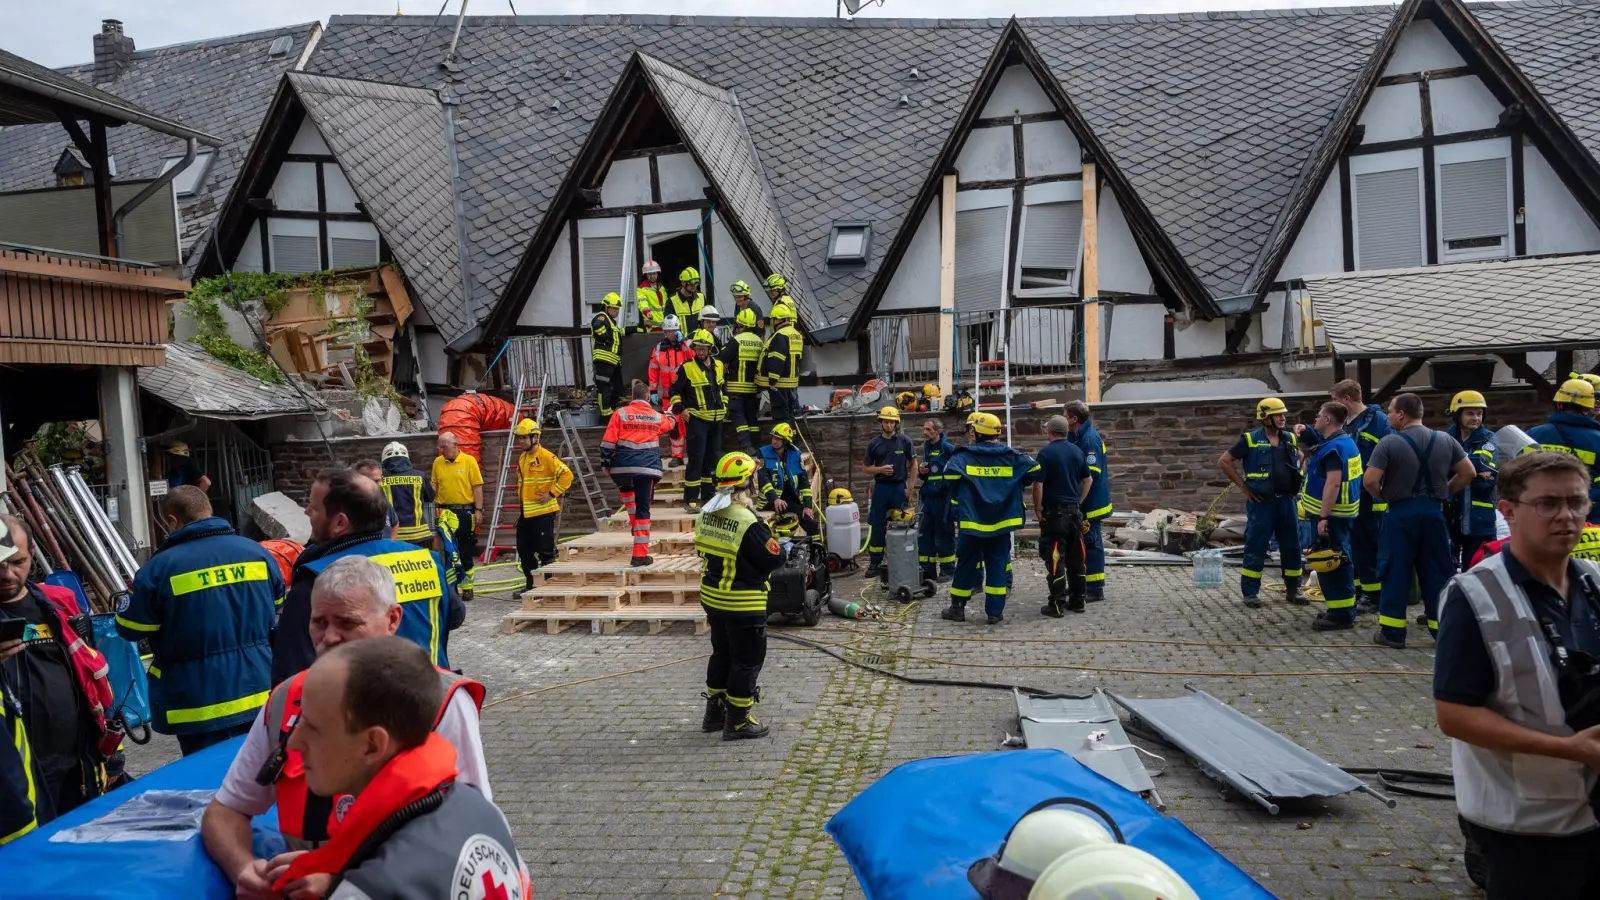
x=1587, y=376
x=985, y=423
x=776, y=282
x=612, y=299
x=781, y=311
x=178, y=448
x=739, y=289
x=889, y=414
x=745, y=318
x=702, y=336
x=784, y=430
x=735, y=469
x=1577, y=392
x=1271, y=406
x=931, y=391
x=906, y=400
x=785, y=524
x=526, y=427
x=838, y=496
x=448, y=520
x=1467, y=400
x=1324, y=560
x=688, y=274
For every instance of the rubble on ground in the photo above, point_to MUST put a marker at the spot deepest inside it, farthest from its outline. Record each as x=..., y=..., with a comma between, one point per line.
x=280, y=517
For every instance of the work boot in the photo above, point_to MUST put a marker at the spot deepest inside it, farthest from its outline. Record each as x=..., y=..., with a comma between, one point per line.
x=1095, y=598
x=1075, y=604
x=643, y=561
x=1383, y=640
x=527, y=581
x=955, y=612
x=875, y=570
x=1299, y=598
x=1422, y=619
x=996, y=620
x=692, y=507
x=1365, y=607
x=945, y=577
x=716, y=713
x=1254, y=602
x=740, y=725
x=1052, y=609
x=1325, y=622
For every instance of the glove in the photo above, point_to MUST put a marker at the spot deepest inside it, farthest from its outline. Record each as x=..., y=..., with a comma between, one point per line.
x=1083, y=520
x=655, y=399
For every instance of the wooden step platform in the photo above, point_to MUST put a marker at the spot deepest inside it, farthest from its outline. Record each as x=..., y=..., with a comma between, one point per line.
x=578, y=573
x=611, y=596
x=603, y=599
x=607, y=622
x=618, y=545
x=661, y=521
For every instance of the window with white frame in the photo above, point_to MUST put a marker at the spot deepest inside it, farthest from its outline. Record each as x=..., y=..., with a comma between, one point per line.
x=1387, y=200
x=1474, y=201
x=187, y=184
x=1048, y=262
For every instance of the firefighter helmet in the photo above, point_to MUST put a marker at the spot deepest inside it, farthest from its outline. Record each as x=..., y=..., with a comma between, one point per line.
x=1325, y=559
x=703, y=338
x=838, y=496
x=735, y=469
x=784, y=430
x=394, y=449
x=1271, y=406
x=906, y=400
x=776, y=282
x=526, y=427
x=1590, y=377
x=670, y=323
x=985, y=423
x=782, y=311
x=448, y=521
x=1467, y=400
x=889, y=414
x=178, y=448
x=745, y=318
x=1577, y=392
x=611, y=301
x=709, y=314
x=739, y=289
x=688, y=274
x=650, y=267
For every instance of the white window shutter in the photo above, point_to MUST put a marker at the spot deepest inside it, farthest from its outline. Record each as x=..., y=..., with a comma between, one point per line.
x=346, y=252
x=1050, y=234
x=294, y=253
x=601, y=259
x=1474, y=200
x=1389, y=220
x=980, y=258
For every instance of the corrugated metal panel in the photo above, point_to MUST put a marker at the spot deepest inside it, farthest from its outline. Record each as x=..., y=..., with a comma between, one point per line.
x=64, y=219
x=294, y=253
x=1389, y=219
x=601, y=258
x=346, y=252
x=980, y=257
x=1474, y=199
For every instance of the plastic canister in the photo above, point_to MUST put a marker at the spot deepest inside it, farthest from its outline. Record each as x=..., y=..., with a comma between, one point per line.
x=844, y=529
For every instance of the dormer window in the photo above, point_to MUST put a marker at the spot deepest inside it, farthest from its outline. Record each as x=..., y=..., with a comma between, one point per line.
x=848, y=243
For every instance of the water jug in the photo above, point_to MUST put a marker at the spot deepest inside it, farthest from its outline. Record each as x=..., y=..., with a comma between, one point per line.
x=844, y=529
x=1207, y=565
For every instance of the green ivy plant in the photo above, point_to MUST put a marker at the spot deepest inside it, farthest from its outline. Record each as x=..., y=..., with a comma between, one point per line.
x=272, y=290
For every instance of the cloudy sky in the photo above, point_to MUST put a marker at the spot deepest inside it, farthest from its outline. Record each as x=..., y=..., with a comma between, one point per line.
x=58, y=32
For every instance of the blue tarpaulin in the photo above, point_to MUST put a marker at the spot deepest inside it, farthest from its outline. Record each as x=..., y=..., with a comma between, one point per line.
x=131, y=870
x=914, y=833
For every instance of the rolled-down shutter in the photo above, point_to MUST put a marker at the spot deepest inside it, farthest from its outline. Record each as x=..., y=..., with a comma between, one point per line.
x=980, y=258
x=1474, y=200
x=601, y=258
x=1050, y=233
x=295, y=253
x=346, y=252
x=1389, y=219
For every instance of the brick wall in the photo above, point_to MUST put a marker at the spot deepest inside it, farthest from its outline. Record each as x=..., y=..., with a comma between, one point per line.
x=295, y=464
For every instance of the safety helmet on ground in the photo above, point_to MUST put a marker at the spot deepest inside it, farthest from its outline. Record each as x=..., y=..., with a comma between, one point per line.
x=526, y=427
x=178, y=448
x=782, y=312
x=784, y=430
x=889, y=414
x=1325, y=559
x=710, y=314
x=650, y=266
x=739, y=289
x=688, y=274
x=1577, y=392
x=670, y=323
x=838, y=496
x=1467, y=400
x=735, y=469
x=785, y=524
x=906, y=400
x=776, y=282
x=394, y=449
x=745, y=318
x=1110, y=870
x=1043, y=834
x=931, y=391
x=985, y=423
x=1271, y=406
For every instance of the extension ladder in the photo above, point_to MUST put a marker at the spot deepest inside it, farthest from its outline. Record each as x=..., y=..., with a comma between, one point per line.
x=577, y=457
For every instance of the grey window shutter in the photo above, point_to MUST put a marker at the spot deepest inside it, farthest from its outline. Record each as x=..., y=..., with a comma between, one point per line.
x=601, y=258
x=1050, y=233
x=346, y=252
x=1473, y=201
x=1389, y=220
x=295, y=253
x=980, y=258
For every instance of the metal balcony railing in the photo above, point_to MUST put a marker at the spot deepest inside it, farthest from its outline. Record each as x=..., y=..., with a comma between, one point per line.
x=1045, y=346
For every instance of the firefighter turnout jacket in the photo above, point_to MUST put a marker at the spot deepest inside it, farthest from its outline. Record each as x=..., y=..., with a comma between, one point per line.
x=985, y=480
x=780, y=361
x=541, y=472
x=741, y=360
x=606, y=339
x=739, y=555
x=408, y=492
x=665, y=359
x=652, y=300
x=699, y=388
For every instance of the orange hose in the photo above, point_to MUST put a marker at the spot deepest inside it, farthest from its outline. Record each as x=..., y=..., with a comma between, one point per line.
x=471, y=414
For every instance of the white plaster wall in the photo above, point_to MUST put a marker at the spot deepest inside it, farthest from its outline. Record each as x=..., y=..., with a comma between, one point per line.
x=336, y=189
x=1463, y=104
x=1049, y=148
x=729, y=265
x=1393, y=113
x=681, y=179
x=550, y=301
x=836, y=360
x=430, y=352
x=627, y=183
x=1556, y=223
x=668, y=224
x=249, y=259
x=296, y=187
x=916, y=282
x=987, y=155
x=1319, y=248
x=309, y=141
x=1122, y=267
x=1200, y=339
x=1017, y=92
x=1422, y=48
x=1137, y=331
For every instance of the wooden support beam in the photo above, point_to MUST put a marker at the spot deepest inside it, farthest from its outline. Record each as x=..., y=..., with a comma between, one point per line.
x=947, y=285
x=1091, y=283
x=1237, y=332
x=100, y=161
x=1398, y=380
x=1338, y=368
x=1364, y=376
x=1563, y=365
x=1520, y=368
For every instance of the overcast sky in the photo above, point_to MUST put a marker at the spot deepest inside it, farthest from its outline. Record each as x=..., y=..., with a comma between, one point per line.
x=58, y=32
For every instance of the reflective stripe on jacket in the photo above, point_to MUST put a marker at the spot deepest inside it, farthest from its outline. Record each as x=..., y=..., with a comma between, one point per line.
x=1472, y=507
x=699, y=389
x=780, y=360
x=664, y=362
x=605, y=339
x=1098, y=504
x=632, y=442
x=408, y=492
x=934, y=485
x=541, y=472
x=1259, y=454
x=741, y=360
x=1348, y=503
x=985, y=480
x=739, y=554
x=781, y=475
x=1573, y=435
x=420, y=584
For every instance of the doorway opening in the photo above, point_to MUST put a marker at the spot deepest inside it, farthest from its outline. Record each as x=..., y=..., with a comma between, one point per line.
x=675, y=254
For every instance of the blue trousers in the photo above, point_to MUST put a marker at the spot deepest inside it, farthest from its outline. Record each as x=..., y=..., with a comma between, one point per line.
x=1094, y=561
x=936, y=538
x=1417, y=542
x=982, y=560
x=1274, y=517
x=886, y=495
x=1367, y=551
x=742, y=412
x=1339, y=586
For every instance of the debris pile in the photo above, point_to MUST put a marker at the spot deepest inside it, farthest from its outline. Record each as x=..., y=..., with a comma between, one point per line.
x=340, y=333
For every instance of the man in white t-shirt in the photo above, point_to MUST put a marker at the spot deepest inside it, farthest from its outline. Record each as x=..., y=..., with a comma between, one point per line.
x=353, y=598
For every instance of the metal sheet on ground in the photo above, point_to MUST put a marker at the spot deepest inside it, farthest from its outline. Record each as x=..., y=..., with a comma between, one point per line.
x=1065, y=723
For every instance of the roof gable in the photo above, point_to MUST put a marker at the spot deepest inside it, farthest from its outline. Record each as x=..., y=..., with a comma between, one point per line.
x=1558, y=48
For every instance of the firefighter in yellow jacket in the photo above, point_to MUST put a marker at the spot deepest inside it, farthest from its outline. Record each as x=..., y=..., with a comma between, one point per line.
x=542, y=479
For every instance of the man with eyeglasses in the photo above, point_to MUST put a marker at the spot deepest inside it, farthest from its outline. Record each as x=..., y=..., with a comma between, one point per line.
x=1517, y=635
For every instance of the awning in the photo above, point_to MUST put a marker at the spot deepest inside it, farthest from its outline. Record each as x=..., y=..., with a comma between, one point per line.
x=199, y=385
x=1506, y=306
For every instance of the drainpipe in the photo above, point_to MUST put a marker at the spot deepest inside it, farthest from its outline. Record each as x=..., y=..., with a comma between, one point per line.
x=150, y=190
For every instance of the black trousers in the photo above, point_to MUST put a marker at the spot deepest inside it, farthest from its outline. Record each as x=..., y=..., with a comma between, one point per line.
x=536, y=541
x=1466, y=546
x=1061, y=547
x=1550, y=867
x=608, y=385
x=785, y=404
x=190, y=744
x=702, y=452
x=466, y=535
x=743, y=410
x=738, y=648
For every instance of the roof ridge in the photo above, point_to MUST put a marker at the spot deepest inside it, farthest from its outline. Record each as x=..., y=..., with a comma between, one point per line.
x=225, y=40
x=1473, y=5
x=432, y=93
x=625, y=19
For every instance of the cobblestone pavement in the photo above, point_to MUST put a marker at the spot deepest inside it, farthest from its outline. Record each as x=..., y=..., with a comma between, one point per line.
x=613, y=791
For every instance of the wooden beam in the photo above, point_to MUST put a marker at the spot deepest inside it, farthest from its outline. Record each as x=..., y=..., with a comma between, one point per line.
x=1023, y=119
x=1347, y=226
x=1430, y=189
x=1398, y=380
x=1000, y=183
x=1237, y=332
x=100, y=161
x=1520, y=368
x=1091, y=283
x=50, y=267
x=601, y=212
x=1459, y=137
x=1364, y=376
x=947, y=285
x=644, y=152
x=1519, y=198
x=1563, y=365
x=1431, y=75
x=1338, y=368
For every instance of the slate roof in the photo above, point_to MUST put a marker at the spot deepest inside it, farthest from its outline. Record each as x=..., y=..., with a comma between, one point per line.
x=32, y=87
x=199, y=385
x=221, y=86
x=1557, y=45
x=390, y=141
x=1502, y=305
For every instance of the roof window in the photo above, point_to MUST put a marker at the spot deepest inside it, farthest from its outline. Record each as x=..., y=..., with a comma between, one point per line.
x=848, y=243
x=187, y=184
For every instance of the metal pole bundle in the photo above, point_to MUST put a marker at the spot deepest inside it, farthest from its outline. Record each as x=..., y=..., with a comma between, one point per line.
x=71, y=531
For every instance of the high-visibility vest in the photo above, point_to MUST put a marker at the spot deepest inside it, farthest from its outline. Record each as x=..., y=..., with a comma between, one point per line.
x=704, y=399
x=1348, y=503
x=607, y=340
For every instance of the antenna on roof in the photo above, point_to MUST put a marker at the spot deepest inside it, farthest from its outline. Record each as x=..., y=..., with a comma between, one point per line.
x=449, y=61
x=852, y=6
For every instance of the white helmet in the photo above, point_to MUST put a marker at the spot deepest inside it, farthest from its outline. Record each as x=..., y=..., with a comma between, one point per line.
x=650, y=266
x=1040, y=837
x=710, y=312
x=670, y=323
x=1111, y=870
x=393, y=449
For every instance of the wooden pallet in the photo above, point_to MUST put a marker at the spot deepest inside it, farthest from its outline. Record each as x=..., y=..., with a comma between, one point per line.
x=600, y=599
x=588, y=573
x=656, y=619
x=616, y=545
x=662, y=521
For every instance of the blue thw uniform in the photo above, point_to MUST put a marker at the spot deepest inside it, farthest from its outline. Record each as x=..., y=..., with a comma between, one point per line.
x=408, y=492
x=421, y=586
x=1096, y=506
x=888, y=491
x=936, y=534
x=205, y=602
x=1366, y=538
x=985, y=480
x=1574, y=435
x=1062, y=471
x=1272, y=472
x=783, y=478
x=1472, y=522
x=1336, y=454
